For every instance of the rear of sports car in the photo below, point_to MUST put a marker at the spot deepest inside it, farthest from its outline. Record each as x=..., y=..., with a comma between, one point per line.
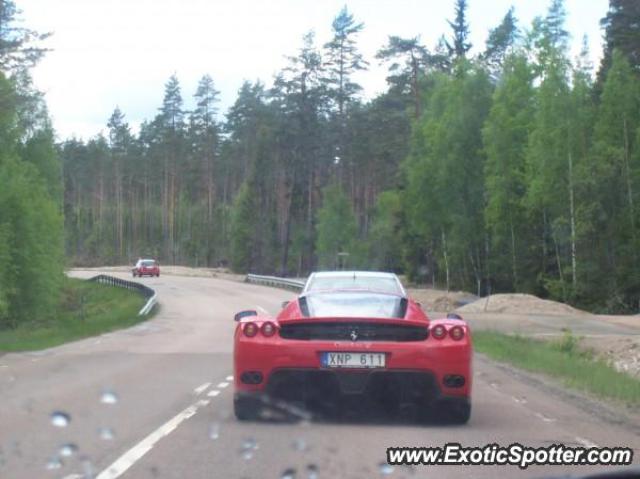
x=329, y=365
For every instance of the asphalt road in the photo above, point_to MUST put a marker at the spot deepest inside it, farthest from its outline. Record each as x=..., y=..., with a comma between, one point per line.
x=155, y=401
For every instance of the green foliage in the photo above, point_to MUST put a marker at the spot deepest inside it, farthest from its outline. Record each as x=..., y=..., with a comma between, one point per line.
x=622, y=32
x=343, y=59
x=500, y=42
x=20, y=47
x=32, y=244
x=460, y=29
x=508, y=171
x=30, y=220
x=384, y=253
x=445, y=192
x=563, y=360
x=337, y=230
x=505, y=135
x=81, y=310
x=243, y=220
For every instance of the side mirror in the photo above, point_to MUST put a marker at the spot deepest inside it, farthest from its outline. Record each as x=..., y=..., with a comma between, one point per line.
x=285, y=304
x=419, y=304
x=245, y=314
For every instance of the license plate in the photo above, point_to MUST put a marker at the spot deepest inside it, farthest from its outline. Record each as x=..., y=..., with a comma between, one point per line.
x=352, y=360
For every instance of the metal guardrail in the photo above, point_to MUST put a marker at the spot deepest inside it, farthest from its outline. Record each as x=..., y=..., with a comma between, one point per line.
x=286, y=283
x=145, y=291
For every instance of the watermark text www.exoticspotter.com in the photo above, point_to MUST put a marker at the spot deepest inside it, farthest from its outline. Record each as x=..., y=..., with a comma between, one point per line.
x=512, y=455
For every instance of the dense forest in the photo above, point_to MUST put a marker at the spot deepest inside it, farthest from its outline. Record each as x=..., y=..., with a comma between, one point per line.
x=515, y=169
x=31, y=222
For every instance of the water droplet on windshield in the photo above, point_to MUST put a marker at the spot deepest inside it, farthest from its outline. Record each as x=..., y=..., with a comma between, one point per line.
x=68, y=450
x=108, y=397
x=214, y=431
x=54, y=463
x=312, y=471
x=299, y=444
x=249, y=445
x=288, y=474
x=87, y=468
x=106, y=433
x=60, y=419
x=385, y=469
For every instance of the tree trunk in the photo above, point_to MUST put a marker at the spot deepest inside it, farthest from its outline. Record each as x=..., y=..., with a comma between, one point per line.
x=446, y=257
x=572, y=215
x=629, y=189
x=514, y=267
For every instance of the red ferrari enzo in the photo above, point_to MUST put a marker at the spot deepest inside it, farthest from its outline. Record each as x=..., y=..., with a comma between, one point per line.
x=353, y=339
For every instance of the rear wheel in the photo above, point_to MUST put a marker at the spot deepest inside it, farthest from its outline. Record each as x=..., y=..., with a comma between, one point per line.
x=457, y=412
x=246, y=408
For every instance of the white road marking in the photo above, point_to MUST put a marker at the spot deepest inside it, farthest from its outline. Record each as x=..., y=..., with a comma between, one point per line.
x=74, y=476
x=262, y=310
x=201, y=388
x=544, y=418
x=519, y=400
x=586, y=442
x=129, y=458
x=3, y=366
x=229, y=378
x=213, y=393
x=222, y=385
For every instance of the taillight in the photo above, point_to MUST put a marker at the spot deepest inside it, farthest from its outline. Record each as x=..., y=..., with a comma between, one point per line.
x=268, y=329
x=250, y=329
x=439, y=331
x=456, y=333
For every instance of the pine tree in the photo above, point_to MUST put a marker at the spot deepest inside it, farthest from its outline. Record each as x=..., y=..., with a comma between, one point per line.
x=622, y=32
x=172, y=121
x=500, y=42
x=119, y=143
x=20, y=48
x=337, y=230
x=505, y=136
x=407, y=76
x=204, y=133
x=460, y=32
x=343, y=59
x=616, y=167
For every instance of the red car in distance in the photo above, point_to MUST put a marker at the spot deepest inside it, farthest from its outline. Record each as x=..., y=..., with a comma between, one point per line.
x=146, y=267
x=352, y=340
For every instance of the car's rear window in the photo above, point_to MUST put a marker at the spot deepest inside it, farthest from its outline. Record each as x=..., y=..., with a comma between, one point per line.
x=384, y=284
x=148, y=264
x=354, y=305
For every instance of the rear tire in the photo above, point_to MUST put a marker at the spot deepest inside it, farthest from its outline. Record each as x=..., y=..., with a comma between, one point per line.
x=246, y=408
x=458, y=412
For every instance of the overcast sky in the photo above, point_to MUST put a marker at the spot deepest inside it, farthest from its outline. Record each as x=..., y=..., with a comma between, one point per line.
x=121, y=52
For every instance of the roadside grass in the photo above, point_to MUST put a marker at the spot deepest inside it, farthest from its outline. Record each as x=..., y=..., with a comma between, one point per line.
x=562, y=359
x=85, y=309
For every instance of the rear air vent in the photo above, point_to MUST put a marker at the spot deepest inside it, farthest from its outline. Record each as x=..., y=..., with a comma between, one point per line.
x=337, y=331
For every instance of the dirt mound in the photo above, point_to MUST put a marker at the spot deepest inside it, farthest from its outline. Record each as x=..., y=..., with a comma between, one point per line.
x=441, y=301
x=518, y=303
x=621, y=352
